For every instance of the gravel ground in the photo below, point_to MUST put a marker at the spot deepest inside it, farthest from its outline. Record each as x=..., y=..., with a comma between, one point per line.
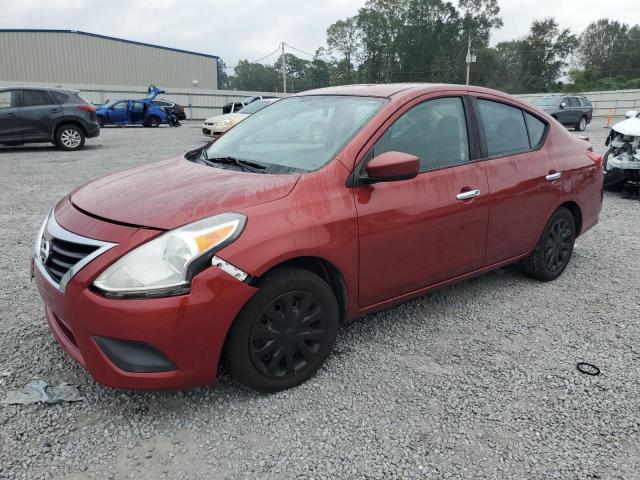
x=474, y=381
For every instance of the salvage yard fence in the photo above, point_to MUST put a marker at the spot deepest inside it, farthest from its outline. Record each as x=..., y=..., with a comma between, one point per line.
x=200, y=104
x=618, y=102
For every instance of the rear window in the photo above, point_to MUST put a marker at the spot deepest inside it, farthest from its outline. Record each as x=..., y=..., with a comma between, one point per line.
x=504, y=128
x=584, y=102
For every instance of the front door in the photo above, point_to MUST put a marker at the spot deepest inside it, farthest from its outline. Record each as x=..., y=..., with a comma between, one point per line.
x=119, y=112
x=420, y=232
x=525, y=182
x=39, y=114
x=10, y=125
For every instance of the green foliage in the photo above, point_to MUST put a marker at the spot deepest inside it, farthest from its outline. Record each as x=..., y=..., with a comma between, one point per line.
x=426, y=41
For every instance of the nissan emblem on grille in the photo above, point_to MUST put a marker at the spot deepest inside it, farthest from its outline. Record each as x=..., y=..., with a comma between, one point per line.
x=44, y=250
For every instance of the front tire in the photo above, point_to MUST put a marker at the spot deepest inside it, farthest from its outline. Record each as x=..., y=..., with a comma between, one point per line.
x=285, y=332
x=69, y=137
x=554, y=249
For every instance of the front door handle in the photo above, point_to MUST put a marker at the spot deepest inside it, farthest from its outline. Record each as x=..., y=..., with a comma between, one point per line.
x=553, y=176
x=468, y=194
x=12, y=114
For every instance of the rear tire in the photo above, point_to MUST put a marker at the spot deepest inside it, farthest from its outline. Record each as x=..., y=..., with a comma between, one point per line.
x=581, y=125
x=69, y=137
x=284, y=334
x=554, y=249
x=152, y=121
x=101, y=121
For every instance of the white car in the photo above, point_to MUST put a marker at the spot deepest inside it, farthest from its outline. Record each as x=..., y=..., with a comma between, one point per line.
x=216, y=126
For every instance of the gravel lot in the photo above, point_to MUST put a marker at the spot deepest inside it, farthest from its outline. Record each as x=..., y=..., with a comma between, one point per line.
x=474, y=381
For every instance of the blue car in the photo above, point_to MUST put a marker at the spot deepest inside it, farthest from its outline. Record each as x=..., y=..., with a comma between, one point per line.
x=133, y=112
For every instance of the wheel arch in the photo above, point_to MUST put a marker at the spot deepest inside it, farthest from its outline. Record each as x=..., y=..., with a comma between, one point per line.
x=325, y=270
x=576, y=212
x=67, y=121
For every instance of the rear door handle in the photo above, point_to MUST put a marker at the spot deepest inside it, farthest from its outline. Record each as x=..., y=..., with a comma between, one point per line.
x=468, y=194
x=553, y=176
x=55, y=110
x=12, y=114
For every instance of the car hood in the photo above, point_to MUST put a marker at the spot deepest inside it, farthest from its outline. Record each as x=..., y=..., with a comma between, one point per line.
x=175, y=192
x=630, y=126
x=236, y=117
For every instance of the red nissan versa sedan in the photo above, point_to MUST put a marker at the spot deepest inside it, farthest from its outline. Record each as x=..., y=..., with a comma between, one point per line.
x=322, y=207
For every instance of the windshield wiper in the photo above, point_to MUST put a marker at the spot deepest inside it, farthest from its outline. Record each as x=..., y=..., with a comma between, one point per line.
x=244, y=165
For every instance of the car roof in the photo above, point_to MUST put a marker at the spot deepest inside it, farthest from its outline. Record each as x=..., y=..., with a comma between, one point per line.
x=49, y=89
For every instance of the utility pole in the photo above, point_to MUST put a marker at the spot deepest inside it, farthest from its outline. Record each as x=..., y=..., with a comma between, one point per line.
x=470, y=58
x=284, y=70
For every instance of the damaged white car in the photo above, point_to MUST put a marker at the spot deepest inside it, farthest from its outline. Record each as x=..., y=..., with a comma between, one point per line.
x=622, y=160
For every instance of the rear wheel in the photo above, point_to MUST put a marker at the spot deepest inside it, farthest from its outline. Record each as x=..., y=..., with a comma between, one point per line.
x=284, y=333
x=554, y=249
x=153, y=121
x=581, y=125
x=101, y=121
x=69, y=137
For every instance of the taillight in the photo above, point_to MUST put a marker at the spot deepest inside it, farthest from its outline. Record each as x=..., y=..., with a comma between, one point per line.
x=597, y=159
x=88, y=108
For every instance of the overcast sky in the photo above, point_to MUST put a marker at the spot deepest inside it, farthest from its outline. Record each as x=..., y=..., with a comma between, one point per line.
x=251, y=29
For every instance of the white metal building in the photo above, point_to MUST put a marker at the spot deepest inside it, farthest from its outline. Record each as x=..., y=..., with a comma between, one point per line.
x=71, y=57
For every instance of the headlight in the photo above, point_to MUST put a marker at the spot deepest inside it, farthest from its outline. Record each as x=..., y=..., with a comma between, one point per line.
x=222, y=123
x=165, y=265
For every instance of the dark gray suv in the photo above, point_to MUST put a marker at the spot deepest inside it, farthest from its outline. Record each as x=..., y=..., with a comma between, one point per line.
x=37, y=115
x=570, y=110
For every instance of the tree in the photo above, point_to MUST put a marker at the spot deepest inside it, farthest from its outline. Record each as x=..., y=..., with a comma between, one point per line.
x=344, y=37
x=604, y=45
x=255, y=76
x=545, y=57
x=223, y=78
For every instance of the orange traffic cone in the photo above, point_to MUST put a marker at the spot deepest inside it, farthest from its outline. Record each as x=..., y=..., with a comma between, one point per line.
x=609, y=119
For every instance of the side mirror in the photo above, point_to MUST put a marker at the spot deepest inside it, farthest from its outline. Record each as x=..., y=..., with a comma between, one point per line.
x=390, y=167
x=631, y=114
x=563, y=105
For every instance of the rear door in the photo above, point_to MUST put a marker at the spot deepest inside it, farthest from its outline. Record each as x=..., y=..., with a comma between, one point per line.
x=39, y=113
x=10, y=123
x=575, y=109
x=419, y=232
x=525, y=182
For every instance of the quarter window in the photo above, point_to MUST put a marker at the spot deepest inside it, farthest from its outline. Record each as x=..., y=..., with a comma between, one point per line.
x=434, y=131
x=504, y=128
x=35, y=98
x=536, y=130
x=9, y=99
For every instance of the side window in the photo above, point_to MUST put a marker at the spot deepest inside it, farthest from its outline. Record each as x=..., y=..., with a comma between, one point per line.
x=504, y=128
x=434, y=131
x=536, y=130
x=35, y=98
x=120, y=105
x=573, y=102
x=9, y=99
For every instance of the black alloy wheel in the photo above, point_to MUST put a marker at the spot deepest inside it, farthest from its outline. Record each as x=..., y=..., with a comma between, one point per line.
x=554, y=248
x=284, y=333
x=559, y=245
x=288, y=334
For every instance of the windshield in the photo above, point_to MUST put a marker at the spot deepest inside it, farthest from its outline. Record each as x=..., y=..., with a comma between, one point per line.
x=255, y=106
x=546, y=101
x=297, y=134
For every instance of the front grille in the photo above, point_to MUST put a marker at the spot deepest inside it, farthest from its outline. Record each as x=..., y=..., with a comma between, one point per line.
x=60, y=254
x=63, y=255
